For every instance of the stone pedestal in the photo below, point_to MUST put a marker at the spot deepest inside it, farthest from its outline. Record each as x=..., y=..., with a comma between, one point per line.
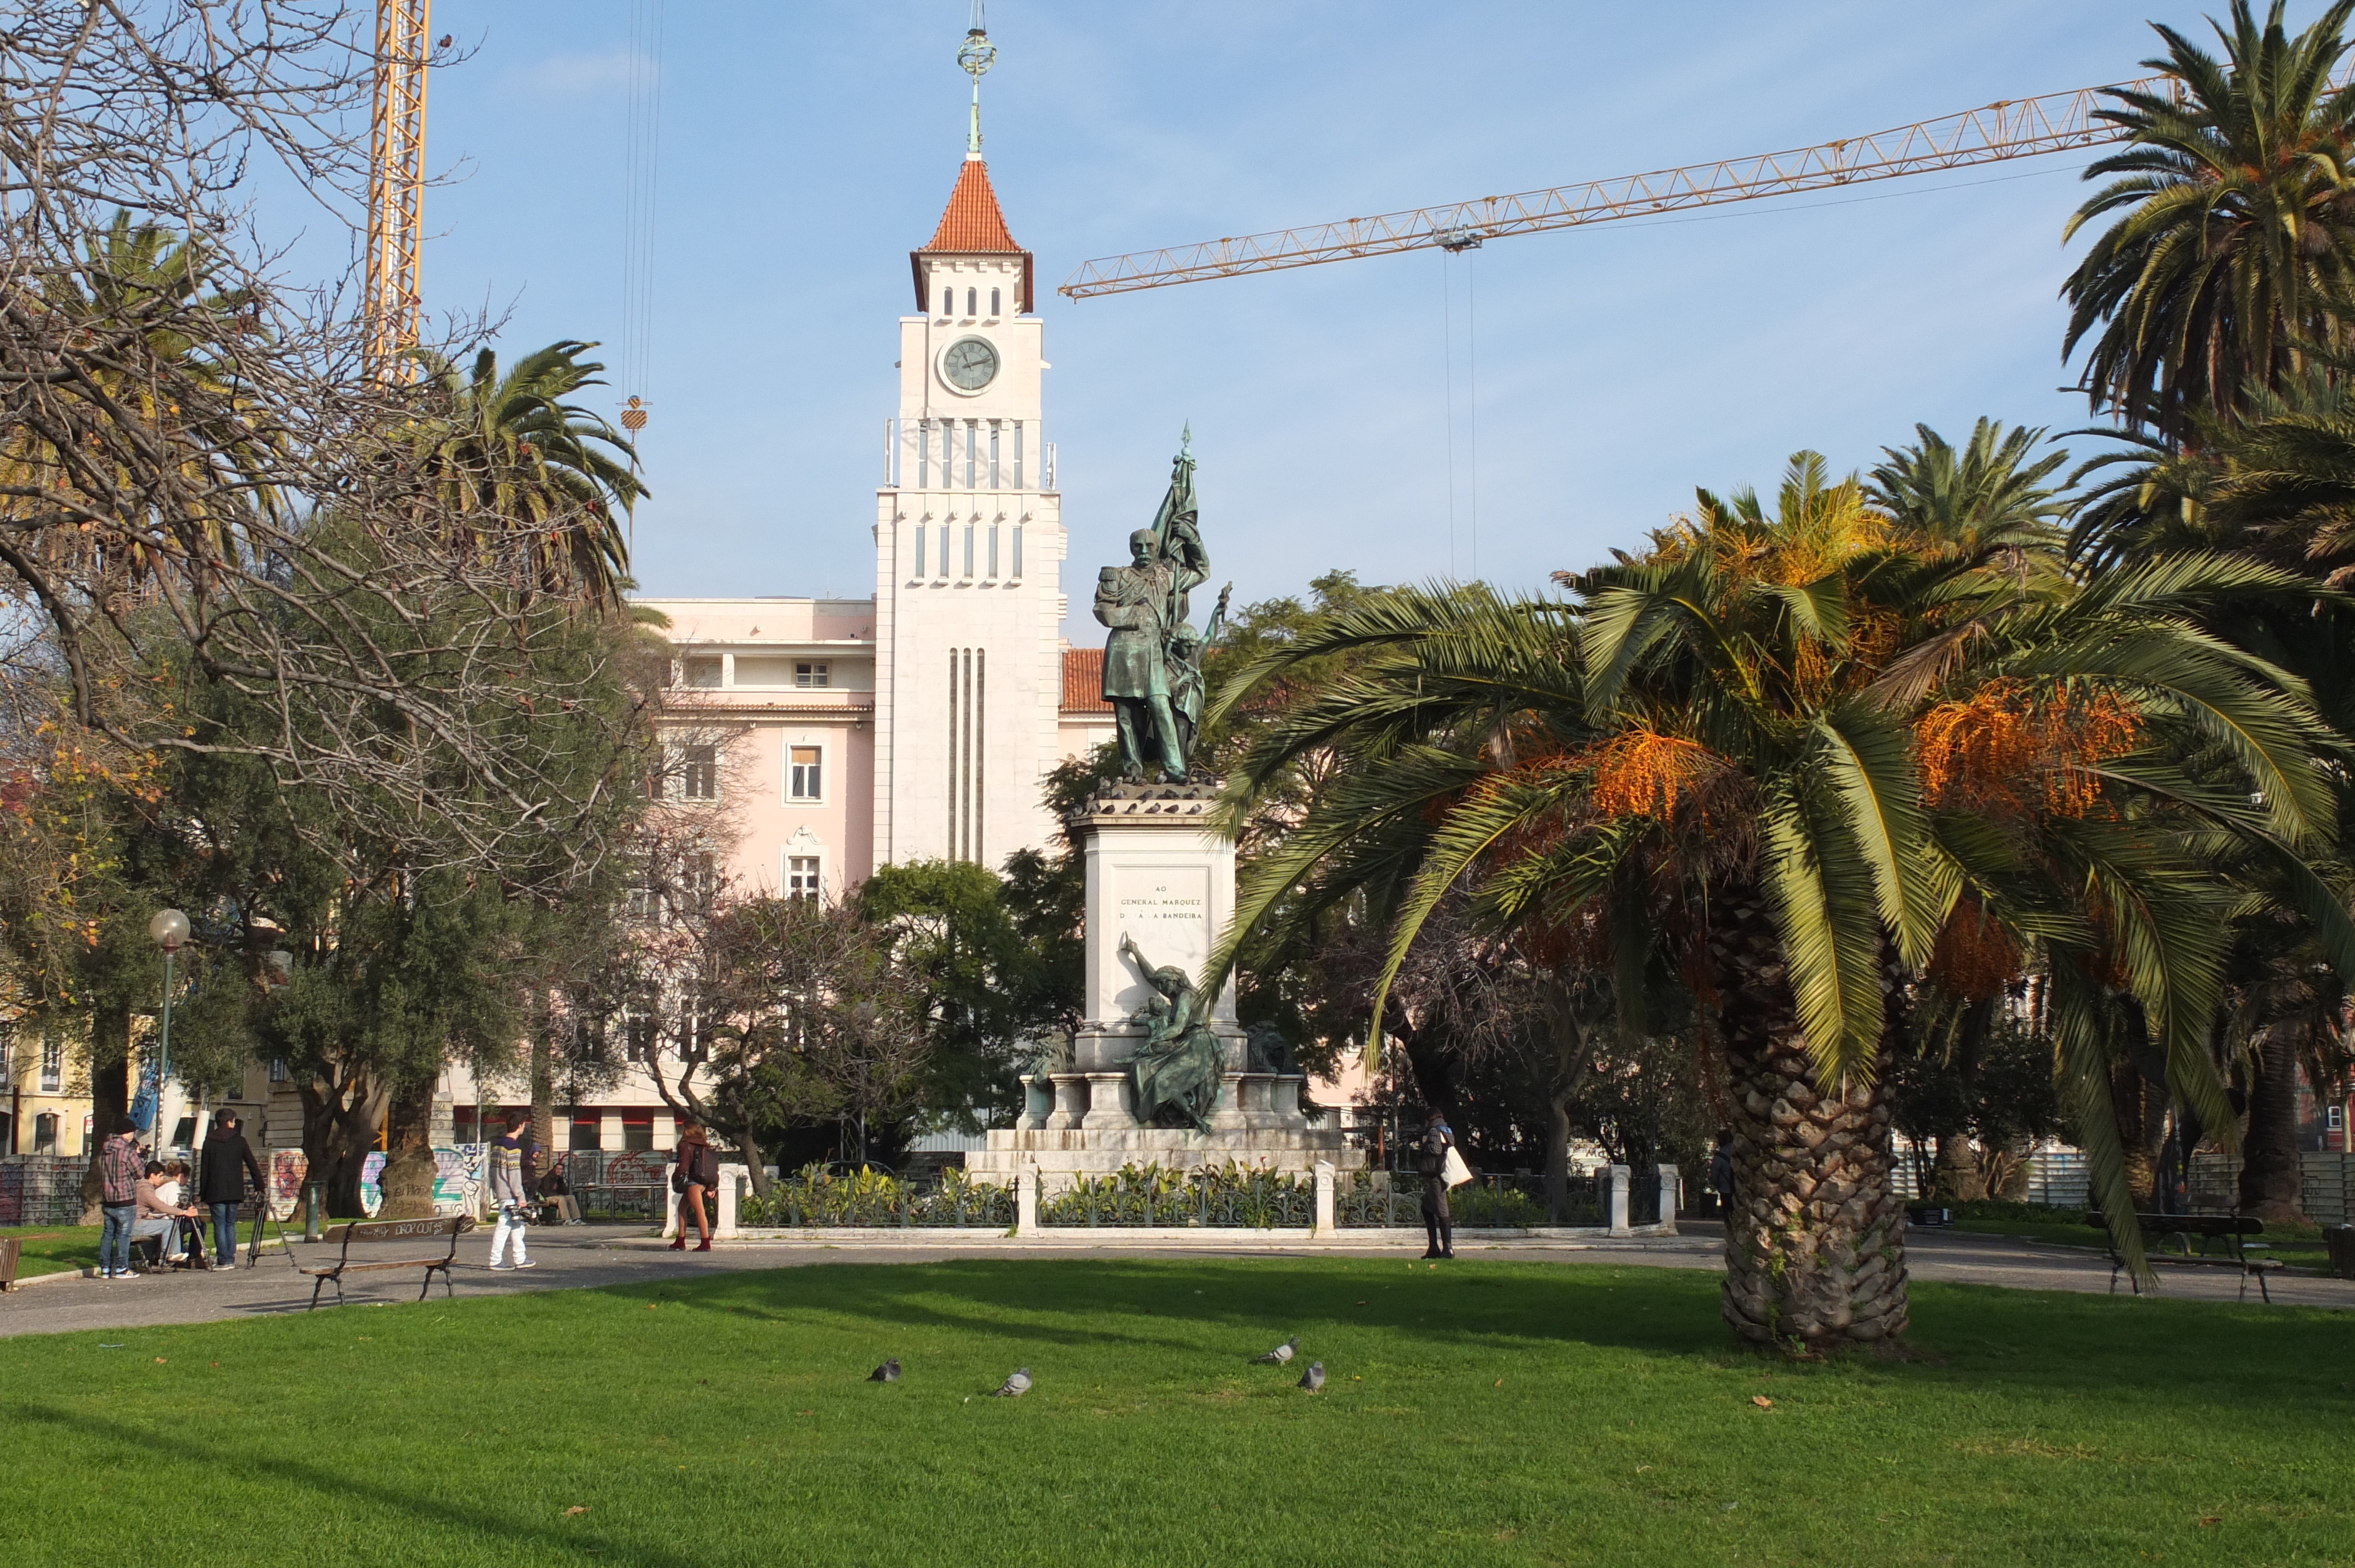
x=1159, y=873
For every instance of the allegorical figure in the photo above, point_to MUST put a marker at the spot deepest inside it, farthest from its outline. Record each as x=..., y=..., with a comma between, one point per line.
x=1144, y=604
x=1175, y=1071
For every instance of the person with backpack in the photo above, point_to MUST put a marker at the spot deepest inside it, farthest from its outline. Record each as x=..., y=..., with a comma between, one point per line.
x=698, y=1173
x=514, y=1163
x=221, y=1171
x=1431, y=1162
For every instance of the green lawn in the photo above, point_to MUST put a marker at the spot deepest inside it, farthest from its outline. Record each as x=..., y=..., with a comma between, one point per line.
x=2301, y=1246
x=1489, y=1412
x=54, y=1249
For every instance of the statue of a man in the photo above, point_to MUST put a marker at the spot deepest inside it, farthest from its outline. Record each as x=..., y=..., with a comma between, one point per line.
x=1142, y=602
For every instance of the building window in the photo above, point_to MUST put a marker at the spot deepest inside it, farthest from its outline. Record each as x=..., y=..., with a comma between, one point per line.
x=972, y=459
x=638, y=1130
x=993, y=549
x=53, y=1066
x=972, y=297
x=948, y=302
x=1018, y=551
x=919, y=549
x=804, y=773
x=45, y=1133
x=968, y=550
x=699, y=672
x=810, y=674
x=993, y=454
x=278, y=1074
x=2334, y=1118
x=699, y=773
x=587, y=1132
x=698, y=883
x=638, y=1028
x=1018, y=454
x=993, y=302
x=801, y=877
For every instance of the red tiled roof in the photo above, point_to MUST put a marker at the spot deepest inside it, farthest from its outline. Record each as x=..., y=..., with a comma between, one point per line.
x=1084, y=682
x=973, y=220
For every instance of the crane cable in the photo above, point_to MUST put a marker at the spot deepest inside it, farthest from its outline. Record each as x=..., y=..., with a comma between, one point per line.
x=641, y=182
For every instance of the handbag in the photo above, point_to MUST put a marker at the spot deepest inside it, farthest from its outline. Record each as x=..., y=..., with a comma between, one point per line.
x=679, y=1180
x=1455, y=1172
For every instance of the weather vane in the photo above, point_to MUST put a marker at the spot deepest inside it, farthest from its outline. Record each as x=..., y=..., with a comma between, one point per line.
x=974, y=57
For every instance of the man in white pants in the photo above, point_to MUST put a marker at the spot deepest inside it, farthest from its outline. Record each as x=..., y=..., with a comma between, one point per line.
x=512, y=1158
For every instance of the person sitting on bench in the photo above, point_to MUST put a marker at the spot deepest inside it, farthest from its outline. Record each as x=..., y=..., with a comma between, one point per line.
x=158, y=1215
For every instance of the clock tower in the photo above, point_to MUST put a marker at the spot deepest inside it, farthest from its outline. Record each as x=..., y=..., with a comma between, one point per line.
x=968, y=546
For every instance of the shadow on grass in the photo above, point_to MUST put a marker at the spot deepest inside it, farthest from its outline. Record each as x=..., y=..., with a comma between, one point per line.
x=2257, y=1360
x=335, y=1489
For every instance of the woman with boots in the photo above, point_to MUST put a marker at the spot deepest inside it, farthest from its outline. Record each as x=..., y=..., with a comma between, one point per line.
x=698, y=1173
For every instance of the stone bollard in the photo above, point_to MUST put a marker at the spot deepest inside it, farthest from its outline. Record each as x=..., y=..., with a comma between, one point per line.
x=1615, y=1206
x=731, y=1186
x=669, y=1201
x=1323, y=1230
x=1026, y=1200
x=1671, y=1185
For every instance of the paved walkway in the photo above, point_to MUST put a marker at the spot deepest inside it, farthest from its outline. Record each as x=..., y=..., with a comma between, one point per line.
x=583, y=1258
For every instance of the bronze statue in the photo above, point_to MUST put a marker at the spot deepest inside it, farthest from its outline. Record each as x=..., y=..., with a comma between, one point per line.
x=1175, y=1073
x=1145, y=604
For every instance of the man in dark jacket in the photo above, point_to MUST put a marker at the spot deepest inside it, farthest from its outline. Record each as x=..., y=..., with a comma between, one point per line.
x=1431, y=1162
x=220, y=1183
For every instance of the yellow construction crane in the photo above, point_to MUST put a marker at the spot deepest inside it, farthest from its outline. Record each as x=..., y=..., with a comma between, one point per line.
x=396, y=236
x=2017, y=128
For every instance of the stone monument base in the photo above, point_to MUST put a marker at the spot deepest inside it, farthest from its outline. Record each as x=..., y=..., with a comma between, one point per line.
x=1087, y=1128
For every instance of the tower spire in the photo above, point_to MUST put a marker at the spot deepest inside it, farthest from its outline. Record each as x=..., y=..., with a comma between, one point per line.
x=974, y=57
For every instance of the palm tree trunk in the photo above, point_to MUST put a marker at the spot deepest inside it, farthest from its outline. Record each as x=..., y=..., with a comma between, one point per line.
x=1814, y=1239
x=2272, y=1187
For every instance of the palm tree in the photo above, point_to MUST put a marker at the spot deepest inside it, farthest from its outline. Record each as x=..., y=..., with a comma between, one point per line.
x=1985, y=501
x=2234, y=225
x=1798, y=762
x=525, y=474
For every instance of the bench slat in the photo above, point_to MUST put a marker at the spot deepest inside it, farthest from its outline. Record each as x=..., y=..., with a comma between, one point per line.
x=364, y=1268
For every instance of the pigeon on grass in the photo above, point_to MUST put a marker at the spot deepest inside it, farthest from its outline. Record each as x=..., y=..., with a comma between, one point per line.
x=1279, y=1356
x=887, y=1373
x=1014, y=1387
x=1313, y=1378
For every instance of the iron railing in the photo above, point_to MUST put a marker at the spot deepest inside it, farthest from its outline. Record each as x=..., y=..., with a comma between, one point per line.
x=1230, y=1197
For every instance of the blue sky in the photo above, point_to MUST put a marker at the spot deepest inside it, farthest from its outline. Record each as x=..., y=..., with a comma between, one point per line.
x=806, y=148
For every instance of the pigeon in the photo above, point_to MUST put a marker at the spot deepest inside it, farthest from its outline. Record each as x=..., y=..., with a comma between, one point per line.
x=1016, y=1386
x=1279, y=1356
x=1313, y=1378
x=887, y=1373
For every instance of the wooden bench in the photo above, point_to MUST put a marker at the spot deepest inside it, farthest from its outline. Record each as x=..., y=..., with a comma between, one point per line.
x=2232, y=1231
x=368, y=1232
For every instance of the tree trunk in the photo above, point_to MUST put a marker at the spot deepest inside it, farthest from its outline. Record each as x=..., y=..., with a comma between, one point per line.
x=543, y=1086
x=1571, y=1057
x=339, y=1121
x=1814, y=1239
x=2272, y=1188
x=110, y=1098
x=408, y=1180
x=1958, y=1178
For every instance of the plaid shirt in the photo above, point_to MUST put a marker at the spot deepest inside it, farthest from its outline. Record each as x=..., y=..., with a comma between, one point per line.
x=120, y=1168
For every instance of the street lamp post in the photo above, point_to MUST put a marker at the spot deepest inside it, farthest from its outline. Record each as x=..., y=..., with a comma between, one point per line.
x=167, y=930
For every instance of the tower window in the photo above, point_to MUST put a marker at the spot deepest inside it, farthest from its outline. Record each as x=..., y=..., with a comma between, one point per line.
x=993, y=550
x=968, y=549
x=1018, y=454
x=993, y=454
x=919, y=549
x=805, y=775
x=948, y=302
x=972, y=460
x=972, y=299
x=1017, y=552
x=993, y=302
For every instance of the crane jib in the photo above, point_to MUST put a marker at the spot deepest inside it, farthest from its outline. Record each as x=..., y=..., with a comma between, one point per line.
x=2015, y=128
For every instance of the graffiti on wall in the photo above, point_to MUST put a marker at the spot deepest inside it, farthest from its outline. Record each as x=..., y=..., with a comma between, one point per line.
x=287, y=1169
x=458, y=1181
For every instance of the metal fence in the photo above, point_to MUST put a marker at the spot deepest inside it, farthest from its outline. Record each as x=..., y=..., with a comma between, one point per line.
x=41, y=1189
x=1372, y=1198
x=1214, y=1199
x=2328, y=1180
x=617, y=1185
x=868, y=1200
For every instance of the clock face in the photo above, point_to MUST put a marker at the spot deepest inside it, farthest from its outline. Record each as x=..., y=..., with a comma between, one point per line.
x=970, y=364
